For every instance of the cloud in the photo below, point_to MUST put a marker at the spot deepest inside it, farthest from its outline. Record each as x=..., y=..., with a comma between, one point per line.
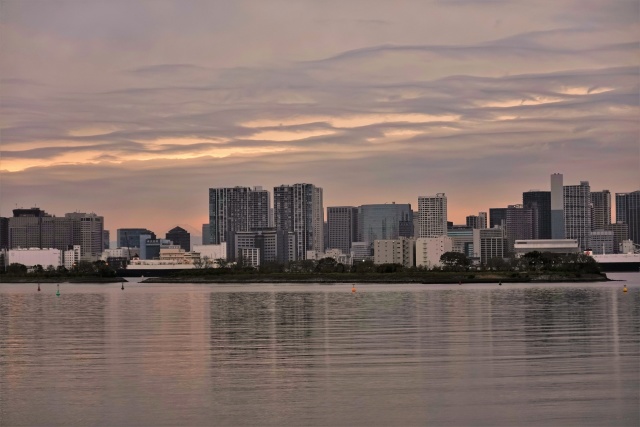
x=396, y=102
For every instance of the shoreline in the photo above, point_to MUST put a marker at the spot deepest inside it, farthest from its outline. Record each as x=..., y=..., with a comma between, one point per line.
x=427, y=279
x=98, y=280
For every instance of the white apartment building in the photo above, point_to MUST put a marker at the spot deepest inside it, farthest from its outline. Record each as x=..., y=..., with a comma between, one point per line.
x=430, y=249
x=432, y=215
x=394, y=251
x=72, y=257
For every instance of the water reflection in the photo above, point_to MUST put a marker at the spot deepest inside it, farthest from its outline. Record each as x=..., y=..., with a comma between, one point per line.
x=314, y=355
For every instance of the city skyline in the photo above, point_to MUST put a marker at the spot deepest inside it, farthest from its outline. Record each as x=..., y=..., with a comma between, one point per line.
x=133, y=110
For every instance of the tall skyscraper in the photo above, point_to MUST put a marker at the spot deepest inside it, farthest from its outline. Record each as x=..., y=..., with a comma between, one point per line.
x=4, y=233
x=298, y=208
x=342, y=227
x=432, y=212
x=477, y=221
x=577, y=213
x=234, y=209
x=519, y=225
x=601, y=211
x=34, y=228
x=130, y=237
x=540, y=204
x=206, y=234
x=497, y=217
x=628, y=211
x=557, y=207
x=180, y=236
x=384, y=222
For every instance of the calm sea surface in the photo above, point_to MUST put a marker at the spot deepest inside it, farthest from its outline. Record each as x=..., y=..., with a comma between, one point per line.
x=549, y=354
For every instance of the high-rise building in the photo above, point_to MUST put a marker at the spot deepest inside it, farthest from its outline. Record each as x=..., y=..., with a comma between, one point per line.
x=273, y=245
x=620, y=234
x=4, y=233
x=497, y=217
x=557, y=207
x=88, y=232
x=236, y=209
x=461, y=239
x=489, y=243
x=628, y=211
x=181, y=237
x=298, y=208
x=602, y=242
x=477, y=221
x=577, y=213
x=601, y=209
x=130, y=237
x=206, y=234
x=105, y=239
x=540, y=204
x=432, y=212
x=518, y=226
x=342, y=227
x=34, y=228
x=384, y=222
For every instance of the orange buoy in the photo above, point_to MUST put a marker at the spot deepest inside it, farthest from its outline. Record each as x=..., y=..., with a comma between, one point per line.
x=353, y=288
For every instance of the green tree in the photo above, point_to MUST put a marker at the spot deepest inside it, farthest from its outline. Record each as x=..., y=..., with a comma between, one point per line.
x=17, y=269
x=455, y=261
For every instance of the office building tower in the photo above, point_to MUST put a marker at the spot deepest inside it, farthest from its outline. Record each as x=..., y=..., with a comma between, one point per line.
x=4, y=233
x=497, y=217
x=88, y=232
x=602, y=242
x=518, y=225
x=130, y=237
x=342, y=227
x=432, y=213
x=384, y=222
x=540, y=204
x=206, y=235
x=34, y=228
x=236, y=209
x=577, y=213
x=628, y=212
x=273, y=245
x=181, y=237
x=601, y=209
x=461, y=239
x=489, y=243
x=298, y=208
x=557, y=207
x=477, y=221
x=105, y=239
x=620, y=234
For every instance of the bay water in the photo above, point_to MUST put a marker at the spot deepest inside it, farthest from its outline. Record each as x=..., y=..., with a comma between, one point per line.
x=321, y=355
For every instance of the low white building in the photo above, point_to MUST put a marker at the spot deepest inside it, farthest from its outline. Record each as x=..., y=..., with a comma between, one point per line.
x=71, y=257
x=394, y=251
x=35, y=256
x=212, y=252
x=556, y=246
x=336, y=254
x=430, y=249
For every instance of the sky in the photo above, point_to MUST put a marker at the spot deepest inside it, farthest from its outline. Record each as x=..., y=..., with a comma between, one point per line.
x=134, y=109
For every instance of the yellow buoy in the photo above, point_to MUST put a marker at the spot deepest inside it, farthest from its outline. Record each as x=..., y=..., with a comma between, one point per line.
x=624, y=289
